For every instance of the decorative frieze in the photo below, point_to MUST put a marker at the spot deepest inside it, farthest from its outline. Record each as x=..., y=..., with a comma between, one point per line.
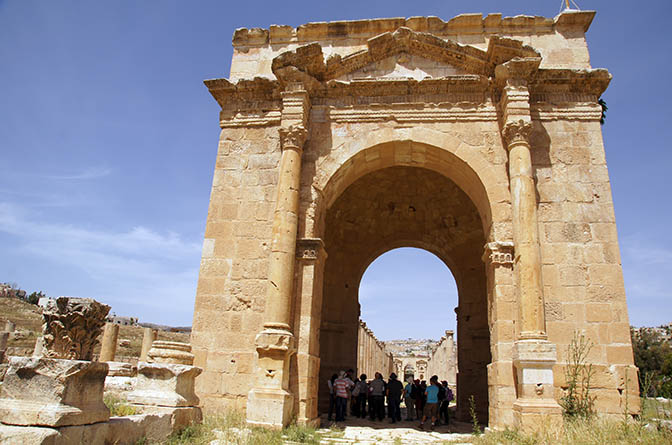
x=431, y=114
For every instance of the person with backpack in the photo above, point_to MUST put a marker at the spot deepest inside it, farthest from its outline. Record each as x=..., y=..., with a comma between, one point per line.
x=377, y=391
x=409, y=399
x=342, y=387
x=419, y=399
x=431, y=408
x=441, y=397
x=394, y=391
x=445, y=402
x=360, y=394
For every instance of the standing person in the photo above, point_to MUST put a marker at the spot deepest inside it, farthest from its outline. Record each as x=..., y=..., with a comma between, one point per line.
x=342, y=386
x=409, y=400
x=350, y=374
x=419, y=399
x=377, y=392
x=362, y=389
x=445, y=402
x=394, y=391
x=431, y=410
x=332, y=396
x=354, y=394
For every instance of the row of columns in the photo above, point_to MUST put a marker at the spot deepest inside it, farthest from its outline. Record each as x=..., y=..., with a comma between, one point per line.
x=443, y=359
x=108, y=345
x=372, y=355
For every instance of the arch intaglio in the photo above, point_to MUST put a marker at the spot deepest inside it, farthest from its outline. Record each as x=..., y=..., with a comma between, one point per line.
x=477, y=139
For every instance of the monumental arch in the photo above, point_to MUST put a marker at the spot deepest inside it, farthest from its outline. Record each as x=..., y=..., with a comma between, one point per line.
x=477, y=139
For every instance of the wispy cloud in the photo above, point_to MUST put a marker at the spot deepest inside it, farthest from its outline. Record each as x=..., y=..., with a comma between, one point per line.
x=89, y=173
x=129, y=268
x=647, y=266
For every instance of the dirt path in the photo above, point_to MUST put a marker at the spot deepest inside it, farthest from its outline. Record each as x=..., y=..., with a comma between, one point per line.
x=367, y=432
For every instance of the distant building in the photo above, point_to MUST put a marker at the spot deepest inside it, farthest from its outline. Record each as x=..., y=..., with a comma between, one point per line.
x=123, y=321
x=44, y=301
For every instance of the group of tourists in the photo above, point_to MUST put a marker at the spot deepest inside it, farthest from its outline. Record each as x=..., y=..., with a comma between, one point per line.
x=367, y=397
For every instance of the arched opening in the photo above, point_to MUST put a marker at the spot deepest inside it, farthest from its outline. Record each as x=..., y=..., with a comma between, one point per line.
x=408, y=293
x=405, y=206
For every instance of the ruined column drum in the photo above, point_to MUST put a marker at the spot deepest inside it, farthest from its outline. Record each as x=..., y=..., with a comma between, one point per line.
x=477, y=139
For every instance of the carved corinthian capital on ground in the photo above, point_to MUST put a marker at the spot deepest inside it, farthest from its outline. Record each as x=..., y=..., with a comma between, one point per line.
x=517, y=131
x=71, y=327
x=293, y=136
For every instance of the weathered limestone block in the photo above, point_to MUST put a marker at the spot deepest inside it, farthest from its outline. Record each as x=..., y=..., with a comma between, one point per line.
x=120, y=377
x=4, y=336
x=53, y=392
x=71, y=327
x=33, y=435
x=171, y=352
x=154, y=426
x=163, y=384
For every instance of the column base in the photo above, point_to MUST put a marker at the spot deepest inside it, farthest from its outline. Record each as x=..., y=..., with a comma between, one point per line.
x=533, y=415
x=535, y=407
x=269, y=408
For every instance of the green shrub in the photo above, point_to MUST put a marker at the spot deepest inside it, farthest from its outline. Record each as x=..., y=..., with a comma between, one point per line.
x=118, y=406
x=578, y=401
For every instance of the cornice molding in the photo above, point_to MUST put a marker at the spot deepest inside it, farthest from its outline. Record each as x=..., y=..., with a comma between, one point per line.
x=464, y=24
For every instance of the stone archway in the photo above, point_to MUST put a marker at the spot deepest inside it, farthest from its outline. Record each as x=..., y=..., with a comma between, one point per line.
x=405, y=206
x=505, y=108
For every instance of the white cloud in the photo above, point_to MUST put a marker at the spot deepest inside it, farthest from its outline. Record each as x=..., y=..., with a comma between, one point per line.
x=86, y=174
x=647, y=266
x=129, y=268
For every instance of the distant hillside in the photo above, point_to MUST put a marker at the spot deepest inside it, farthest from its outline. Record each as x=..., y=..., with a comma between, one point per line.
x=28, y=320
x=409, y=346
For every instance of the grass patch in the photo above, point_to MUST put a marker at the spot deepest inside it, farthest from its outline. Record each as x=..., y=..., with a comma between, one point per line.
x=584, y=431
x=231, y=428
x=118, y=406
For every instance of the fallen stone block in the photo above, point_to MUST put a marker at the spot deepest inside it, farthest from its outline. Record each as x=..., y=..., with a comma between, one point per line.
x=53, y=392
x=28, y=435
x=165, y=385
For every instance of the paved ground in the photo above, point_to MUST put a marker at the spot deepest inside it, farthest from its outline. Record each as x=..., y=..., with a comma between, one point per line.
x=367, y=432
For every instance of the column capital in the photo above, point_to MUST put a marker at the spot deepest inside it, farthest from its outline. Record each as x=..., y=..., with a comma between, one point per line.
x=293, y=137
x=516, y=132
x=311, y=249
x=498, y=253
x=275, y=341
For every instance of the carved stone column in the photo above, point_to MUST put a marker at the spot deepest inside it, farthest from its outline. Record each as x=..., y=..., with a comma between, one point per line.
x=525, y=231
x=533, y=355
x=269, y=402
x=108, y=347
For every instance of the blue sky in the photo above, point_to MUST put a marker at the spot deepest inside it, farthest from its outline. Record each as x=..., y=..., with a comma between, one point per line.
x=108, y=140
